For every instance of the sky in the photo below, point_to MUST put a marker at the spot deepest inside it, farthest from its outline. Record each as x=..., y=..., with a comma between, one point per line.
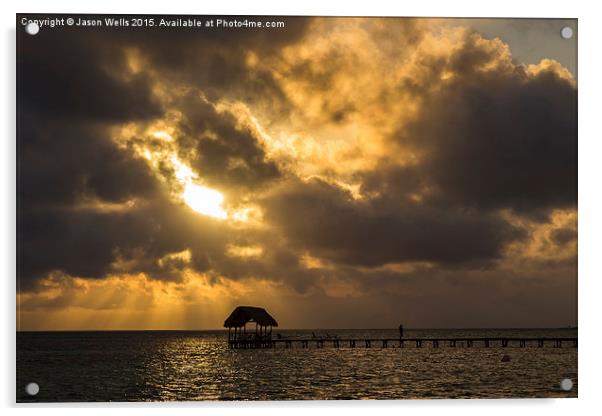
x=340, y=172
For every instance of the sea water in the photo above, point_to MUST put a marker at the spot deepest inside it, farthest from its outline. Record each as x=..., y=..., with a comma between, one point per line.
x=199, y=365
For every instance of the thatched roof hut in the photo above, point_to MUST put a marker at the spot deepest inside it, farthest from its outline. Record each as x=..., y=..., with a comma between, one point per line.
x=245, y=314
x=242, y=315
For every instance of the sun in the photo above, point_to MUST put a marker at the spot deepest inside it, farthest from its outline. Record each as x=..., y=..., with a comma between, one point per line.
x=201, y=199
x=204, y=200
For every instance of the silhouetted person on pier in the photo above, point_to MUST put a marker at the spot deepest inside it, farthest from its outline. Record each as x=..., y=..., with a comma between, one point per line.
x=400, y=331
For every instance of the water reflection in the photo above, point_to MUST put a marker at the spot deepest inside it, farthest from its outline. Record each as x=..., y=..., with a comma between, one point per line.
x=166, y=366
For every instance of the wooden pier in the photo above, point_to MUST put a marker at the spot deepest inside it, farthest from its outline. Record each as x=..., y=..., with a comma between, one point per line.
x=488, y=342
x=240, y=338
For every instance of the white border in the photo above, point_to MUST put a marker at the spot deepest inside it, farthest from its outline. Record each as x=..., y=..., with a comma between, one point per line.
x=590, y=202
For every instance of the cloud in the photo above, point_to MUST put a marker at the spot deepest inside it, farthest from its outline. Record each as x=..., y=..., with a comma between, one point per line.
x=225, y=152
x=77, y=76
x=496, y=134
x=62, y=163
x=88, y=201
x=489, y=135
x=358, y=158
x=564, y=235
x=327, y=222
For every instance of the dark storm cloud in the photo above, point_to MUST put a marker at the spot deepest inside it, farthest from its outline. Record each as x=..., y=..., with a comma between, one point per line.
x=93, y=244
x=324, y=219
x=68, y=97
x=70, y=91
x=486, y=141
x=216, y=59
x=498, y=138
x=62, y=167
x=73, y=87
x=221, y=150
x=75, y=76
x=563, y=236
x=79, y=72
x=61, y=163
x=70, y=69
x=76, y=243
x=148, y=239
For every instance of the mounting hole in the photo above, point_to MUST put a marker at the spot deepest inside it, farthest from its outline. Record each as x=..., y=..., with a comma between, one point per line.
x=32, y=389
x=32, y=28
x=566, y=384
x=566, y=32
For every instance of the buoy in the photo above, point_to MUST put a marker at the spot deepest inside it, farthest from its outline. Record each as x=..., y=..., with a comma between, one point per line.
x=505, y=358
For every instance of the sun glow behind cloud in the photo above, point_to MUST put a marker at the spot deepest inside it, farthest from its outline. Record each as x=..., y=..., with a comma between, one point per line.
x=185, y=184
x=204, y=200
x=200, y=198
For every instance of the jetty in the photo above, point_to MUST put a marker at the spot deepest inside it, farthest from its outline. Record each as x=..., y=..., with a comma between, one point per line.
x=492, y=342
x=239, y=337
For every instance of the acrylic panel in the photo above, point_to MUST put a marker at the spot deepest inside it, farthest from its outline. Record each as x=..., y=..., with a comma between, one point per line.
x=295, y=208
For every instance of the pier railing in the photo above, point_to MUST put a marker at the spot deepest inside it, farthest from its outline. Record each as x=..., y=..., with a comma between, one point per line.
x=485, y=342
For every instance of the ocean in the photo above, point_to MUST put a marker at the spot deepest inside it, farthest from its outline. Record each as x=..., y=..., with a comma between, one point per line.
x=198, y=365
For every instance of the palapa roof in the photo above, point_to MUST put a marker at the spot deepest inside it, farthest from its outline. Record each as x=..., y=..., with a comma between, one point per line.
x=243, y=314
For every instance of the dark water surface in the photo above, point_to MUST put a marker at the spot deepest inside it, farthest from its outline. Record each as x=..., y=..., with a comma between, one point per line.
x=198, y=365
